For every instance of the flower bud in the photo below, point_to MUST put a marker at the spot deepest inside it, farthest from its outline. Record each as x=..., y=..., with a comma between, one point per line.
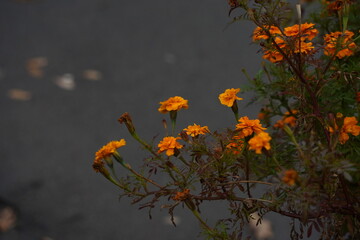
x=125, y=118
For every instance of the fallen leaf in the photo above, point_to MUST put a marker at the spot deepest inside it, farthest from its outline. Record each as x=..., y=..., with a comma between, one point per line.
x=34, y=66
x=19, y=94
x=7, y=219
x=92, y=75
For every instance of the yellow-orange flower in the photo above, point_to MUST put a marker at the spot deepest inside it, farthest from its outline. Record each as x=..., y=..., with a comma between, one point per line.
x=290, y=177
x=173, y=104
x=288, y=119
x=235, y=146
x=339, y=43
x=260, y=141
x=229, y=96
x=181, y=196
x=349, y=127
x=246, y=127
x=194, y=130
x=109, y=149
x=106, y=151
x=307, y=31
x=273, y=56
x=305, y=47
x=169, y=144
x=259, y=33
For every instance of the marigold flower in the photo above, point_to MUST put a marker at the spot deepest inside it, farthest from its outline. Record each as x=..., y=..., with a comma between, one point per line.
x=109, y=149
x=307, y=31
x=235, y=146
x=337, y=5
x=259, y=32
x=169, y=144
x=106, y=151
x=246, y=127
x=349, y=127
x=339, y=43
x=273, y=56
x=287, y=119
x=290, y=177
x=173, y=104
x=228, y=97
x=181, y=196
x=260, y=141
x=305, y=47
x=194, y=130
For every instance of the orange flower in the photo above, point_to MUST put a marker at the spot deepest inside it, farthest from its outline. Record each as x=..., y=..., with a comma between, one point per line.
x=337, y=5
x=290, y=177
x=181, y=196
x=109, y=149
x=173, y=104
x=248, y=127
x=169, y=144
x=273, y=56
x=339, y=43
x=305, y=47
x=287, y=119
x=260, y=141
x=194, y=130
x=235, y=147
x=261, y=115
x=307, y=31
x=229, y=97
x=349, y=127
x=106, y=151
x=259, y=33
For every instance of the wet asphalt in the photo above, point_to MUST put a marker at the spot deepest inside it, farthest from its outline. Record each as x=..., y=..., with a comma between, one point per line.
x=141, y=52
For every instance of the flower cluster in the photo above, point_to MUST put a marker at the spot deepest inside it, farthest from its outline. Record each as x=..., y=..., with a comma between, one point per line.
x=247, y=128
x=339, y=44
x=311, y=151
x=293, y=39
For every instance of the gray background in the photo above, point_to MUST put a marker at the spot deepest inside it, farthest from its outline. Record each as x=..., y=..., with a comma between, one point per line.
x=147, y=51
